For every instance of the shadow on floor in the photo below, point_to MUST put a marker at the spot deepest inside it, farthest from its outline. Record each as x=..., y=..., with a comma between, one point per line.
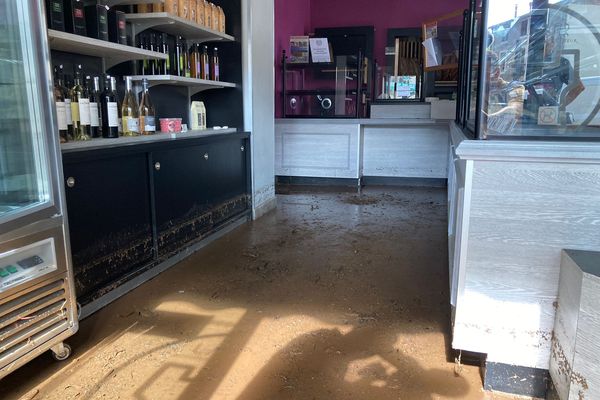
x=335, y=296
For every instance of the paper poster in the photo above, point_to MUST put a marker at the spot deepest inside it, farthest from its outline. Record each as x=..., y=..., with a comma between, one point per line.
x=433, y=51
x=431, y=31
x=319, y=49
x=406, y=87
x=298, y=49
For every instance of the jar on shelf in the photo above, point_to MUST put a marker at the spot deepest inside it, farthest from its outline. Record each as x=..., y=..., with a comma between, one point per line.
x=172, y=7
x=200, y=12
x=215, y=16
x=184, y=9
x=193, y=11
x=207, y=14
x=221, y=20
x=158, y=7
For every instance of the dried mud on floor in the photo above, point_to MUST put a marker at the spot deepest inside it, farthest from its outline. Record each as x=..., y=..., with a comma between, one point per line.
x=333, y=296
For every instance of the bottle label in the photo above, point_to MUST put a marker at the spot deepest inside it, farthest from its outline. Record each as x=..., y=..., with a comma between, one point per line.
x=84, y=111
x=217, y=72
x=68, y=110
x=94, y=116
x=149, y=124
x=75, y=113
x=113, y=114
x=131, y=124
x=61, y=115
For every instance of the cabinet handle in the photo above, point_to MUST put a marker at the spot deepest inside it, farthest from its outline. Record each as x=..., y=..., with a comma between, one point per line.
x=243, y=148
x=71, y=182
x=157, y=166
x=206, y=156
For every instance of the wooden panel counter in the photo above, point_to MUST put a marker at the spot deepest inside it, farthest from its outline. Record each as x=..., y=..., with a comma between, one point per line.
x=514, y=206
x=361, y=149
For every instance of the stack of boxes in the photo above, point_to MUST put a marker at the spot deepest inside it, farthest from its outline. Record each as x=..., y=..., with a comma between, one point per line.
x=95, y=21
x=100, y=22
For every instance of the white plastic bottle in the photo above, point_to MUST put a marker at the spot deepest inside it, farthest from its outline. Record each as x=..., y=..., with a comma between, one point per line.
x=198, y=115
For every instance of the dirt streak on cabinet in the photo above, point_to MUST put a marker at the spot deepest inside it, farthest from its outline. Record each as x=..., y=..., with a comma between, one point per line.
x=197, y=189
x=109, y=220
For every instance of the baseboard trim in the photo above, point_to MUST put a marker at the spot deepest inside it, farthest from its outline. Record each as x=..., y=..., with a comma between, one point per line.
x=399, y=181
x=313, y=181
x=139, y=280
x=514, y=379
x=264, y=208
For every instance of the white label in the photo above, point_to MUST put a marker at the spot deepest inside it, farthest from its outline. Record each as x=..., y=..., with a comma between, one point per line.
x=133, y=124
x=68, y=110
x=113, y=114
x=61, y=115
x=94, y=119
x=84, y=111
x=548, y=115
x=149, y=124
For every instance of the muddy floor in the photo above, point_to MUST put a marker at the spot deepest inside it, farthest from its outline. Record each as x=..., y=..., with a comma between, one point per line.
x=333, y=296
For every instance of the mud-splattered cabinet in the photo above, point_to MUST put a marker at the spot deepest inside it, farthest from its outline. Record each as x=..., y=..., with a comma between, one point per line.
x=133, y=206
x=196, y=189
x=109, y=220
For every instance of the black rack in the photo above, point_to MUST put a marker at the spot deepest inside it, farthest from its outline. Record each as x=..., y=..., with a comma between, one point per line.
x=313, y=102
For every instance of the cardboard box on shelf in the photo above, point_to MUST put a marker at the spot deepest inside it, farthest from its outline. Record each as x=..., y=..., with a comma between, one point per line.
x=96, y=17
x=172, y=7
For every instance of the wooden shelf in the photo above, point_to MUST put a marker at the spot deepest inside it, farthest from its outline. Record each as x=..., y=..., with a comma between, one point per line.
x=112, y=3
x=174, y=25
x=442, y=67
x=113, y=53
x=195, y=85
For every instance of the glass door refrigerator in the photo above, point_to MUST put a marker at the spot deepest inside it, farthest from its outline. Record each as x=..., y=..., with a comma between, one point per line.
x=37, y=302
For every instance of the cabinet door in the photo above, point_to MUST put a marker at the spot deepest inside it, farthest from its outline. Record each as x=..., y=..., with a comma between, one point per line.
x=181, y=192
x=110, y=229
x=229, y=187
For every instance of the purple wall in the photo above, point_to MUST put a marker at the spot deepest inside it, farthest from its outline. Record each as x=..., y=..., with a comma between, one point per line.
x=292, y=18
x=383, y=14
x=298, y=17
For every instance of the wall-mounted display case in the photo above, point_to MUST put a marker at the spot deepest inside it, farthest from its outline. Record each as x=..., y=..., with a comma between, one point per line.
x=531, y=69
x=326, y=90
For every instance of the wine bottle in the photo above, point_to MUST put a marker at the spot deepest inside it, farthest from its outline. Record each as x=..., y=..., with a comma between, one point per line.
x=164, y=48
x=147, y=114
x=214, y=71
x=95, y=118
x=129, y=111
x=65, y=84
x=143, y=45
x=153, y=47
x=179, y=57
x=80, y=108
x=187, y=63
x=205, y=61
x=113, y=89
x=61, y=109
x=109, y=105
x=196, y=71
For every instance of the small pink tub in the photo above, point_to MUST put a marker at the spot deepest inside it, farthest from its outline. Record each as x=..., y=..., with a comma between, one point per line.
x=170, y=125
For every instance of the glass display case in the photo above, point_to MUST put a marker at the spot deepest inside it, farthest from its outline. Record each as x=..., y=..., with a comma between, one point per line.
x=402, y=78
x=531, y=69
x=326, y=90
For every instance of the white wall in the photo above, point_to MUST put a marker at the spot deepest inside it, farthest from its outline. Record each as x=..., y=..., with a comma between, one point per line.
x=259, y=85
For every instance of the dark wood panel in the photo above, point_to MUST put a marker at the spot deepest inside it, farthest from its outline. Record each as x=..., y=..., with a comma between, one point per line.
x=181, y=193
x=109, y=220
